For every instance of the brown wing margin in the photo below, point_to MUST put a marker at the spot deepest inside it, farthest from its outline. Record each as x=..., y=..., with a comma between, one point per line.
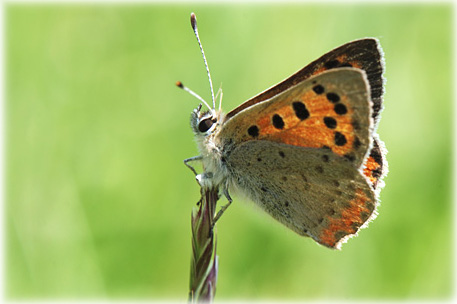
x=375, y=166
x=365, y=54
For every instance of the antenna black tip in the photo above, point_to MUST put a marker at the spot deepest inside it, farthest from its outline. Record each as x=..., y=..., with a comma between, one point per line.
x=179, y=84
x=193, y=20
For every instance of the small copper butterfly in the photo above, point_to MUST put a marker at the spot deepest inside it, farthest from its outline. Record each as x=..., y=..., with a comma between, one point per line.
x=305, y=150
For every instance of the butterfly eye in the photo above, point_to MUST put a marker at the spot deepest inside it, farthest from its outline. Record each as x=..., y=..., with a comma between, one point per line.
x=205, y=125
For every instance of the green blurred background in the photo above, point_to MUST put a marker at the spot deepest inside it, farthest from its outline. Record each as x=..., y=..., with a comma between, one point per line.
x=98, y=201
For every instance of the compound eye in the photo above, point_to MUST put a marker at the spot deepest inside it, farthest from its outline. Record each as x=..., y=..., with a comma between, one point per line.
x=205, y=125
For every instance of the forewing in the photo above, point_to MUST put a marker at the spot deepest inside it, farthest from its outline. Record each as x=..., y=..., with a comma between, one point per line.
x=310, y=190
x=331, y=111
x=365, y=54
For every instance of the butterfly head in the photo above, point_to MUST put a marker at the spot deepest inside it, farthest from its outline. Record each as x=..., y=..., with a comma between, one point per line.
x=204, y=123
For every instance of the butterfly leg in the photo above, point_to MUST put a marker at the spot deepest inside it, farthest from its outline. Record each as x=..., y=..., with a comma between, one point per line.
x=186, y=161
x=223, y=208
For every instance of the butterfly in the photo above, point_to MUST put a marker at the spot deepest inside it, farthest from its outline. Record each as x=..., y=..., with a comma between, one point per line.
x=305, y=150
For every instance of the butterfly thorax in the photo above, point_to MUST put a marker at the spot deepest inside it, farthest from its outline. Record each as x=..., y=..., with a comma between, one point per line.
x=206, y=126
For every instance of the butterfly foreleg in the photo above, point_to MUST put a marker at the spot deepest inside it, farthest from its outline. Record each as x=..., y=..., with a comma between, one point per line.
x=206, y=179
x=186, y=161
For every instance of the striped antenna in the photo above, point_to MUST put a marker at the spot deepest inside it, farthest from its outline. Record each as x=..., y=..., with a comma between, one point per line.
x=193, y=22
x=180, y=85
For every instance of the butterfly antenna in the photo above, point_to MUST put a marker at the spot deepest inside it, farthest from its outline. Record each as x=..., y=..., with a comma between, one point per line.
x=220, y=97
x=220, y=101
x=180, y=85
x=193, y=22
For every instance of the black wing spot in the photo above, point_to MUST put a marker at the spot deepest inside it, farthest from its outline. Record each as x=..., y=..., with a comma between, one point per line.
x=318, y=89
x=340, y=109
x=376, y=153
x=300, y=109
x=253, y=131
x=333, y=97
x=278, y=123
x=330, y=122
x=356, y=124
x=340, y=139
x=326, y=147
x=349, y=157
x=376, y=173
x=356, y=144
